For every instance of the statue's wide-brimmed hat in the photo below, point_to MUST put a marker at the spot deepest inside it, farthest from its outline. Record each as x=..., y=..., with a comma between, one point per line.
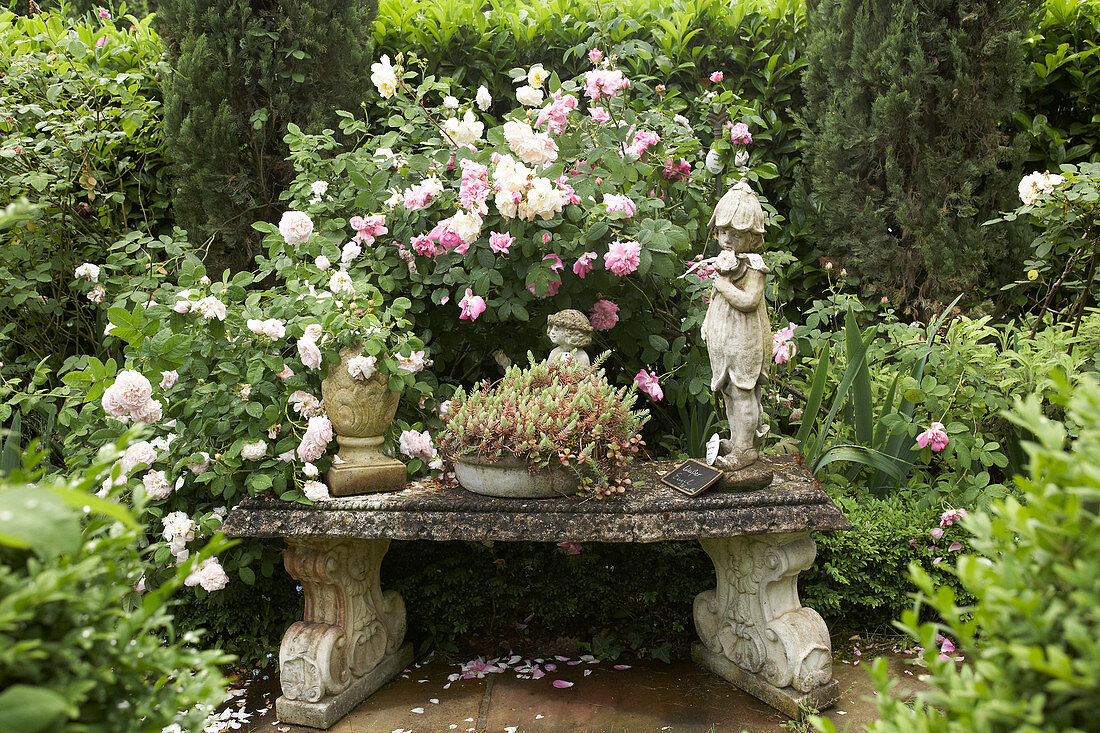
x=740, y=210
x=571, y=319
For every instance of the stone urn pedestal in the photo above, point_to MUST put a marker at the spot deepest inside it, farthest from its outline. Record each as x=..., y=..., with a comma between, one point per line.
x=360, y=411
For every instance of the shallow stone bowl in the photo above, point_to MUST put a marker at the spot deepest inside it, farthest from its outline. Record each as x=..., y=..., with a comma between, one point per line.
x=508, y=478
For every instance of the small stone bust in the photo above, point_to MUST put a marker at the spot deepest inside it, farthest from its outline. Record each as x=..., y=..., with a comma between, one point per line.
x=570, y=332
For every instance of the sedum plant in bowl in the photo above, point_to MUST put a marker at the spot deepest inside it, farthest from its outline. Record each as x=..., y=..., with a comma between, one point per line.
x=547, y=430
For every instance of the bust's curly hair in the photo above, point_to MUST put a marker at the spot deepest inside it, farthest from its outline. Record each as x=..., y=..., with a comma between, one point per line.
x=571, y=319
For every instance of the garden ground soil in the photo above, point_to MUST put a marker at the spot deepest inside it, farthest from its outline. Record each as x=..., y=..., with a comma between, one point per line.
x=649, y=696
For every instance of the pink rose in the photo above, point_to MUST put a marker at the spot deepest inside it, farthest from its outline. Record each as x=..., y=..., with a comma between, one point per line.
x=148, y=413
x=717, y=77
x=424, y=245
x=604, y=315
x=140, y=452
x=647, y=382
x=309, y=353
x=417, y=445
x=316, y=439
x=133, y=390
x=619, y=202
x=500, y=242
x=112, y=405
x=935, y=437
x=622, y=258
x=951, y=516
x=739, y=134
x=674, y=171
x=599, y=114
x=471, y=306
x=783, y=345
x=314, y=443
x=643, y=140
x=286, y=373
x=604, y=83
x=584, y=265
x=594, y=55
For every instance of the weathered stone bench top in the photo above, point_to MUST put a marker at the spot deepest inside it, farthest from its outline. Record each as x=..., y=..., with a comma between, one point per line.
x=649, y=512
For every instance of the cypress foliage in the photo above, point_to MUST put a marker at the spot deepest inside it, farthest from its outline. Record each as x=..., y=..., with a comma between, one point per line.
x=243, y=70
x=905, y=154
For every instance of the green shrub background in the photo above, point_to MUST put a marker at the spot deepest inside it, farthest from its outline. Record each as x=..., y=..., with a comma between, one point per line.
x=243, y=70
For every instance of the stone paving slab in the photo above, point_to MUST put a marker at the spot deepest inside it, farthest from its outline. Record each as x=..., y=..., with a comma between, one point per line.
x=648, y=697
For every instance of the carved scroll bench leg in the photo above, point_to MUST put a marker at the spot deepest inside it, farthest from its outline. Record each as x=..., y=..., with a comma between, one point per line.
x=349, y=642
x=754, y=631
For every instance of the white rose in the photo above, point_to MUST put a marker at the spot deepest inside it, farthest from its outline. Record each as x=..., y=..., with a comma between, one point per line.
x=316, y=491
x=350, y=251
x=319, y=188
x=483, y=98
x=210, y=576
x=322, y=263
x=465, y=132
x=384, y=77
x=467, y=225
x=254, y=451
x=201, y=466
x=156, y=485
x=210, y=308
x=295, y=226
x=340, y=282
x=362, y=367
x=89, y=271
x=384, y=158
x=536, y=76
x=529, y=96
x=543, y=200
x=450, y=102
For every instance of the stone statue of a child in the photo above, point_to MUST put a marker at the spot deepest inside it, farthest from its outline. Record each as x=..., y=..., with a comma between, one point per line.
x=570, y=331
x=736, y=329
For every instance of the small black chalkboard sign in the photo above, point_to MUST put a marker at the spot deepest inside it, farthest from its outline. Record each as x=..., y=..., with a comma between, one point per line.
x=692, y=477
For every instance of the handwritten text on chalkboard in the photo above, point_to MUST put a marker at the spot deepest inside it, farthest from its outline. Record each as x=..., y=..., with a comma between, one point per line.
x=692, y=477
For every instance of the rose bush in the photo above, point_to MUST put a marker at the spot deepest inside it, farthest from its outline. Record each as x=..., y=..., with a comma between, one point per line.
x=227, y=375
x=584, y=199
x=1066, y=208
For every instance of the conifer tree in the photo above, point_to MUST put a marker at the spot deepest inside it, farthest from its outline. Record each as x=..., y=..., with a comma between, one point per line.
x=243, y=70
x=905, y=150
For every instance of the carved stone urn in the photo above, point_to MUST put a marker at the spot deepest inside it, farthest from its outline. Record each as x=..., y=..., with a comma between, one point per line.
x=360, y=411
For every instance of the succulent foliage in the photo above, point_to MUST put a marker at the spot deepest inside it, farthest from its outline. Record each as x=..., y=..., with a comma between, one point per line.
x=561, y=413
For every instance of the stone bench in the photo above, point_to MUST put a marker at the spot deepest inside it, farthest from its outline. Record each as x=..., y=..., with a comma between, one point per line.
x=754, y=631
